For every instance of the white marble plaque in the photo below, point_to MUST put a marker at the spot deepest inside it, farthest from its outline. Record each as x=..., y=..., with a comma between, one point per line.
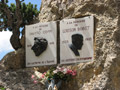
x=41, y=44
x=76, y=40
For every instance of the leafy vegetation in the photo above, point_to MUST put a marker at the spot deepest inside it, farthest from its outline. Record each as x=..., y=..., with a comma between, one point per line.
x=2, y=87
x=16, y=16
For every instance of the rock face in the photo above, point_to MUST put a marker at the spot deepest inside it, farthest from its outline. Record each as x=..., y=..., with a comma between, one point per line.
x=101, y=74
x=19, y=80
x=104, y=72
x=13, y=60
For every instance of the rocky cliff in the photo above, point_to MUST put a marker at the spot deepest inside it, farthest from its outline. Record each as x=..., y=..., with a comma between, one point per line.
x=104, y=72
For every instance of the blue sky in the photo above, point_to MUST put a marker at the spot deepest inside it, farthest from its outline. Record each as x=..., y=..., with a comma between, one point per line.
x=5, y=46
x=38, y=2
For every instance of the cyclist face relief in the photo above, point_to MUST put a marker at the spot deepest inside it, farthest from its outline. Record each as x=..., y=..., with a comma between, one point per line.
x=77, y=43
x=40, y=45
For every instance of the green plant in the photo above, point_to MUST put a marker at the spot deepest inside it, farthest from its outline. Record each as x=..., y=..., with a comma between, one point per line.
x=16, y=16
x=2, y=88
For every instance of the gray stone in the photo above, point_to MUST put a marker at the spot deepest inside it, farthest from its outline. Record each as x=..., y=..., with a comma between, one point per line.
x=13, y=60
x=103, y=72
x=19, y=80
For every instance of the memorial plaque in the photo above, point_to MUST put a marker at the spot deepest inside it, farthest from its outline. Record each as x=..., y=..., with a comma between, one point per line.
x=76, y=40
x=41, y=44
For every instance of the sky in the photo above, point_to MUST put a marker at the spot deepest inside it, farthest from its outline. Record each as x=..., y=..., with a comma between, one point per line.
x=5, y=46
